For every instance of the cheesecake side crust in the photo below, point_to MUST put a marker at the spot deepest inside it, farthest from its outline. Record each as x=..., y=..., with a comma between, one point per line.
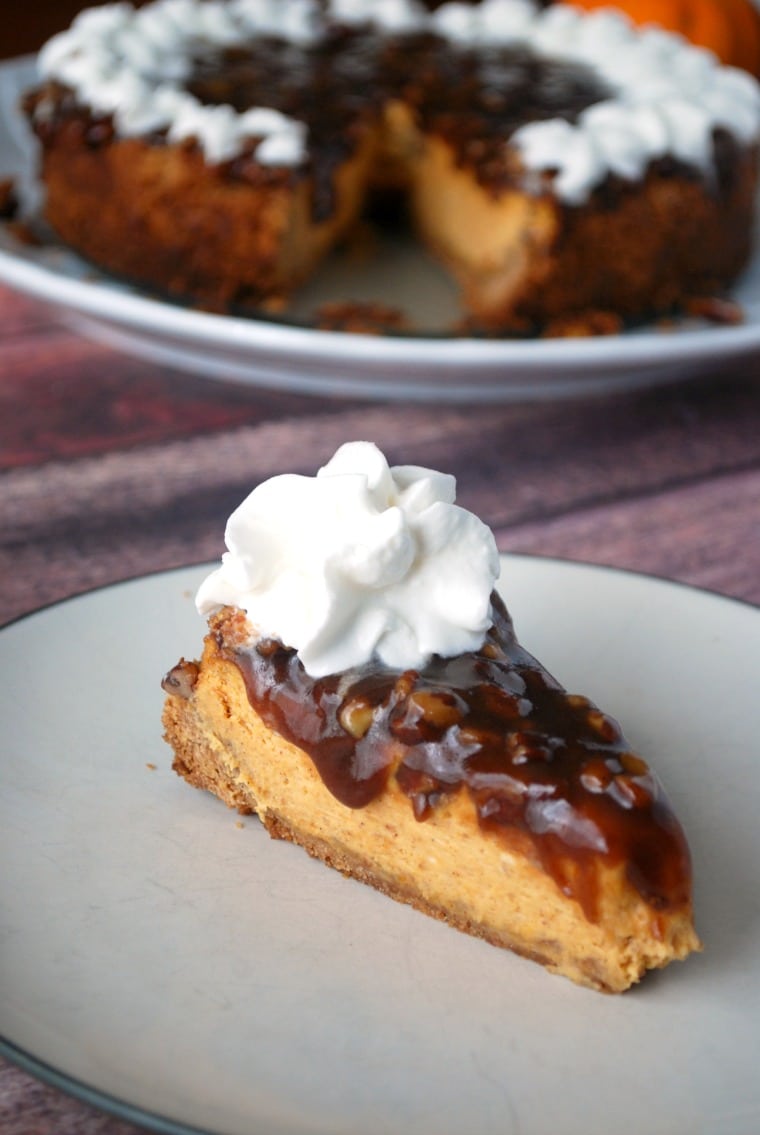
x=525, y=262
x=161, y=217
x=164, y=219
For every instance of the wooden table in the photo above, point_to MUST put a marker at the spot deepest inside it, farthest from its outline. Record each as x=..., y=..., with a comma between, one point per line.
x=112, y=467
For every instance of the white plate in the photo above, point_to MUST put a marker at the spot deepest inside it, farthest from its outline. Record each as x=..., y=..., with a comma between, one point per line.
x=267, y=353
x=185, y=971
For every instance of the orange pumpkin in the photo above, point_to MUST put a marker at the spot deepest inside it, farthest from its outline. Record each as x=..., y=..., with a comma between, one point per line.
x=730, y=28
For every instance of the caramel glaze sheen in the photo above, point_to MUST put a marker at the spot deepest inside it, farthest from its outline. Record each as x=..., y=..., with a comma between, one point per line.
x=496, y=724
x=473, y=99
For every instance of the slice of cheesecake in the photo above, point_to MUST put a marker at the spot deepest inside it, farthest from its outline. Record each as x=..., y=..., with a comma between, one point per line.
x=472, y=785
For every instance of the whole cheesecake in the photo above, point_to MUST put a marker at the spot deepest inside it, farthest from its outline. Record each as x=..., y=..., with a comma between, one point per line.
x=563, y=166
x=410, y=741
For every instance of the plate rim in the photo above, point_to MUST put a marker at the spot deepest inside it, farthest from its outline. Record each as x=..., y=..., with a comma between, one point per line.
x=38, y=279
x=526, y=557
x=95, y=1097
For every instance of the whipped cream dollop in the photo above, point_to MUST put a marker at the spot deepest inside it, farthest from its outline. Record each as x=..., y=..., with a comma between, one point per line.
x=361, y=562
x=666, y=95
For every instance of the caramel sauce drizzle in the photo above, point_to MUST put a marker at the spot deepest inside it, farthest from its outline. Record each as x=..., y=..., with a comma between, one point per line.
x=495, y=724
x=476, y=99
